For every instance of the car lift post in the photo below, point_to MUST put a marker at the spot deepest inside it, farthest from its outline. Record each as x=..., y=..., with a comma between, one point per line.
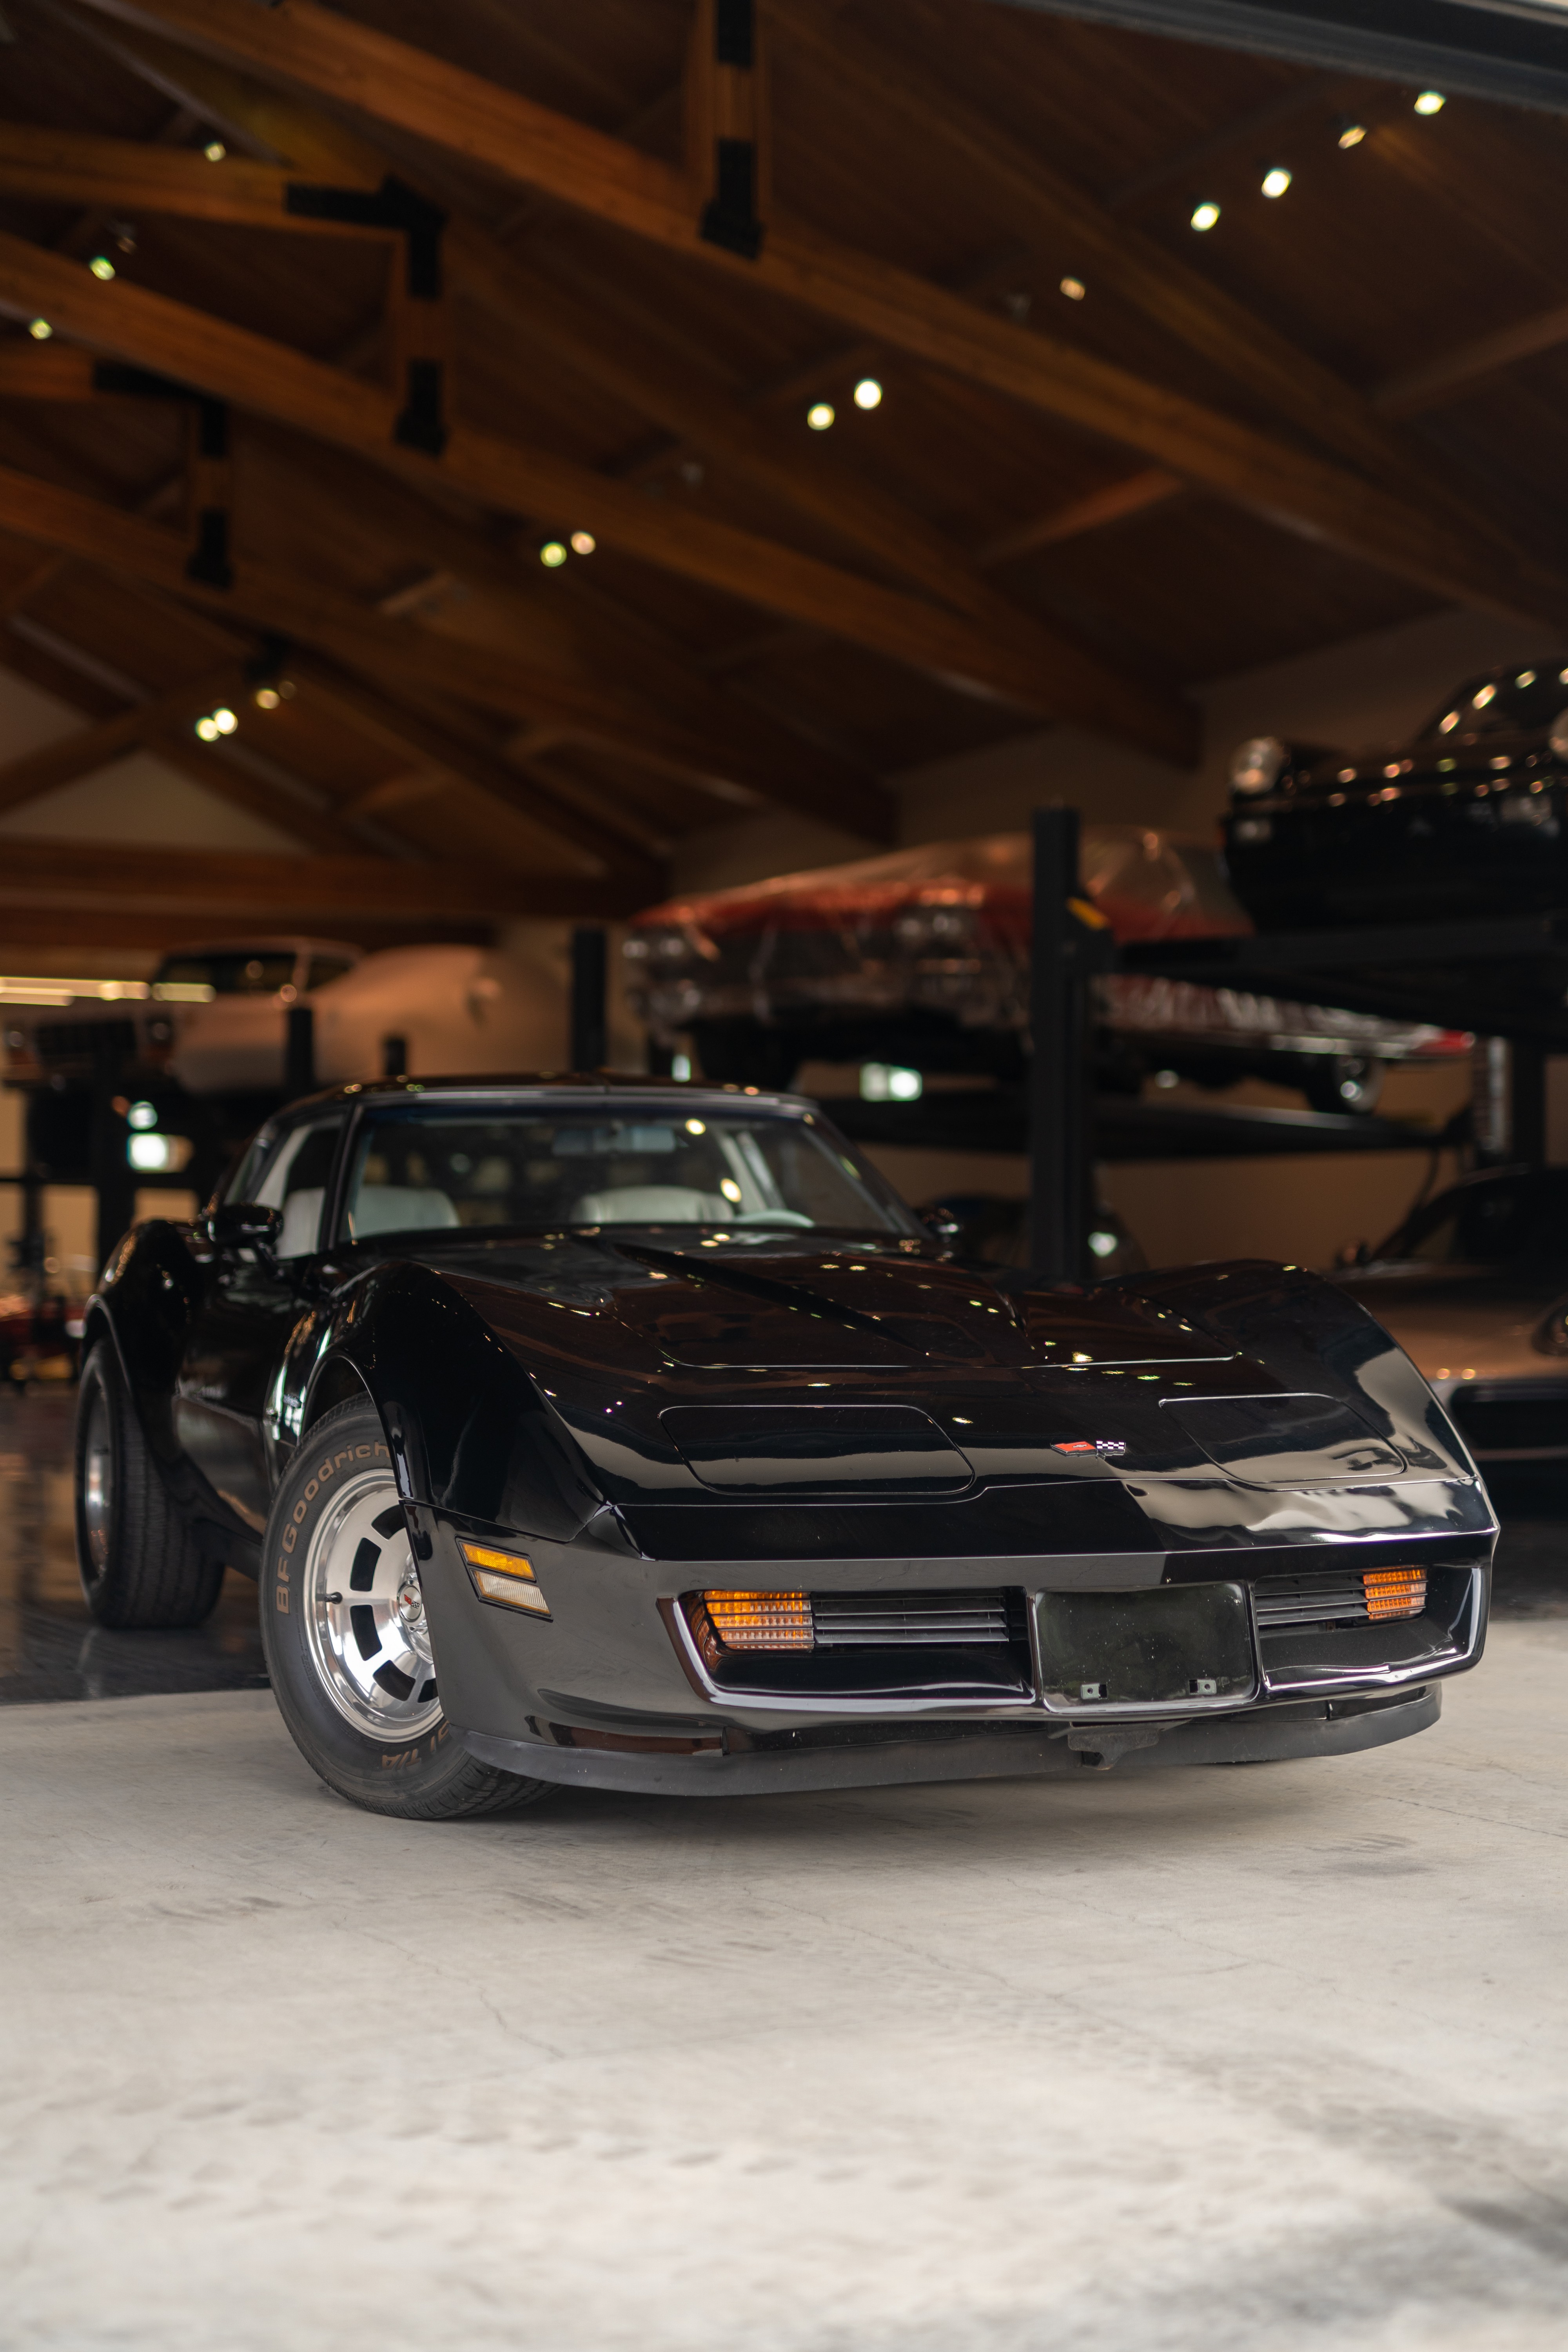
x=590, y=975
x=299, y=1054
x=1060, y=1109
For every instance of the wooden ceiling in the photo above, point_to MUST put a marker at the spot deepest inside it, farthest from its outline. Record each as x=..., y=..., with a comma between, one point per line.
x=310, y=443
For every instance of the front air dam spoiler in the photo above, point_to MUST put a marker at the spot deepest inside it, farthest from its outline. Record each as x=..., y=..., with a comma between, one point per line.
x=1258, y=1736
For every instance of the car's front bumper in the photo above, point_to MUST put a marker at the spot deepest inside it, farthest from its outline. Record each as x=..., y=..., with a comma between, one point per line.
x=612, y=1690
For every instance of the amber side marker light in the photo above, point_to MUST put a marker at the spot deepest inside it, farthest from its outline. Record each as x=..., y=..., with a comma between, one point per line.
x=761, y=1621
x=504, y=1576
x=1395, y=1591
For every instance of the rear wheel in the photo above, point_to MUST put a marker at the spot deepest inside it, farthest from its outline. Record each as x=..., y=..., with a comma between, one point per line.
x=141, y=1566
x=347, y=1641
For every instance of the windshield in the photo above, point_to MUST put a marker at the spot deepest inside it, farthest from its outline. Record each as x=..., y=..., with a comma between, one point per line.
x=429, y=1167
x=1499, y=1222
x=231, y=972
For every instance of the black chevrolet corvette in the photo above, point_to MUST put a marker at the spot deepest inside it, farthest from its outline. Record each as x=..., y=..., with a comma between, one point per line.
x=634, y=1434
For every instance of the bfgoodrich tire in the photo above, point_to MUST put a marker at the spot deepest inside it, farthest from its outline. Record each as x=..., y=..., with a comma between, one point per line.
x=141, y=1567
x=347, y=1643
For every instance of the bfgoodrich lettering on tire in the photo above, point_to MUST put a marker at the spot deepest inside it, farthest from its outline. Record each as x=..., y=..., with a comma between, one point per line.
x=347, y=1642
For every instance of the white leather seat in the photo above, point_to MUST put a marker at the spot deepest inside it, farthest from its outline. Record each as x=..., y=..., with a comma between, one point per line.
x=651, y=1204
x=301, y=1222
x=400, y=1209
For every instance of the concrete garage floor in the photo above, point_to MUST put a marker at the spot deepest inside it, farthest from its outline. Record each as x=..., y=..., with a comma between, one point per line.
x=1262, y=2059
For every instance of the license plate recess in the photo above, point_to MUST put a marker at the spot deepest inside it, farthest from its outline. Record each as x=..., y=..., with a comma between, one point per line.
x=1188, y=1647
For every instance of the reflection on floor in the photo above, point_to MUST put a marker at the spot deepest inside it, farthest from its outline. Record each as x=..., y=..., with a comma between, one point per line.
x=50, y=1648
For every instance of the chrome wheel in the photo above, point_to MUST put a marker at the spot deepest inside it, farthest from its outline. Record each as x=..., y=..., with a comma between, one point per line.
x=98, y=1480
x=365, y=1614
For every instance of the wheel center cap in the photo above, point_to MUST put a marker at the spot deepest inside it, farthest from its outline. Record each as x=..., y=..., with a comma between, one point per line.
x=410, y=1602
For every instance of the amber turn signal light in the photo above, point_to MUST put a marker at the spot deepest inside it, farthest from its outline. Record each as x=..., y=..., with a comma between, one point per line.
x=761, y=1621
x=504, y=1576
x=1395, y=1591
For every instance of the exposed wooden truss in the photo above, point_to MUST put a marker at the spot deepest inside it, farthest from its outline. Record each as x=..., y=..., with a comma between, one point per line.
x=308, y=50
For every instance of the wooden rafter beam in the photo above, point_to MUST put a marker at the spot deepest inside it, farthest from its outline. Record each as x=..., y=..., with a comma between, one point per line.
x=86, y=749
x=633, y=368
x=316, y=828
x=1416, y=389
x=122, y=176
x=272, y=379
x=135, y=930
x=222, y=885
x=395, y=657
x=1134, y=494
x=330, y=57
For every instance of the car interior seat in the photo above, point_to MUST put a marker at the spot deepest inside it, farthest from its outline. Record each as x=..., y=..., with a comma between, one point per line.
x=399, y=1209
x=651, y=1204
x=301, y=1222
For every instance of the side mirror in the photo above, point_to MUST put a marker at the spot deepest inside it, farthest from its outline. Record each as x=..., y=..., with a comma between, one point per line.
x=238, y=1224
x=1352, y=1254
x=939, y=1225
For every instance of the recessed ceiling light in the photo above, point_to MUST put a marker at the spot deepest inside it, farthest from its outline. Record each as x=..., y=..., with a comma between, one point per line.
x=819, y=416
x=1276, y=179
x=215, y=151
x=867, y=392
x=101, y=267
x=1431, y=101
x=553, y=553
x=1204, y=215
x=584, y=542
x=40, y=329
x=1074, y=289
x=1351, y=133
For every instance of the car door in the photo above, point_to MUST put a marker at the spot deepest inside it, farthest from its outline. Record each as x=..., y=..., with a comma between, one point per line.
x=251, y=1301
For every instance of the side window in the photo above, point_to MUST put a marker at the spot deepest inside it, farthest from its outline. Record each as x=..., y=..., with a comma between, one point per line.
x=297, y=1183
x=241, y=1185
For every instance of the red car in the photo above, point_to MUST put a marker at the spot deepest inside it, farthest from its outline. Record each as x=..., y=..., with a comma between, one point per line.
x=920, y=958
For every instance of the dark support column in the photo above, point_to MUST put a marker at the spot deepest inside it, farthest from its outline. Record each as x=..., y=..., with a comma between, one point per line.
x=590, y=1037
x=113, y=1178
x=394, y=1058
x=299, y=1055
x=1061, y=1176
x=1527, y=1103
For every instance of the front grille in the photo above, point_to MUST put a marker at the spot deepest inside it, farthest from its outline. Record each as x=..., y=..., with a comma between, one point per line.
x=1498, y=1422
x=905, y=1620
x=1337, y=1596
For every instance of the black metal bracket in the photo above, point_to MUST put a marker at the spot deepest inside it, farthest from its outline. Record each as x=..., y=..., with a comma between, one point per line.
x=421, y=424
x=209, y=560
x=728, y=218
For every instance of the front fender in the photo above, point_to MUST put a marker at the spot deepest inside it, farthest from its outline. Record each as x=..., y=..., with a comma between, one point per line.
x=148, y=1292
x=468, y=1430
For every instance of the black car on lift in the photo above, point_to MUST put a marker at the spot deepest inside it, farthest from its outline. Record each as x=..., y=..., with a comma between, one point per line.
x=634, y=1434
x=1470, y=817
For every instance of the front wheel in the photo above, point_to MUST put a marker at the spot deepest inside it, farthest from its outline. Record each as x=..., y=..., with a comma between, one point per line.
x=347, y=1641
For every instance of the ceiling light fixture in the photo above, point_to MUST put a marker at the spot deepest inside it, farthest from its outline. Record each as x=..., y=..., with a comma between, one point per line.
x=224, y=719
x=1074, y=289
x=584, y=542
x=39, y=330
x=867, y=392
x=552, y=554
x=1431, y=101
x=820, y=415
x=1205, y=216
x=101, y=267
x=267, y=697
x=215, y=151
x=206, y=728
x=1351, y=133
x=1276, y=179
